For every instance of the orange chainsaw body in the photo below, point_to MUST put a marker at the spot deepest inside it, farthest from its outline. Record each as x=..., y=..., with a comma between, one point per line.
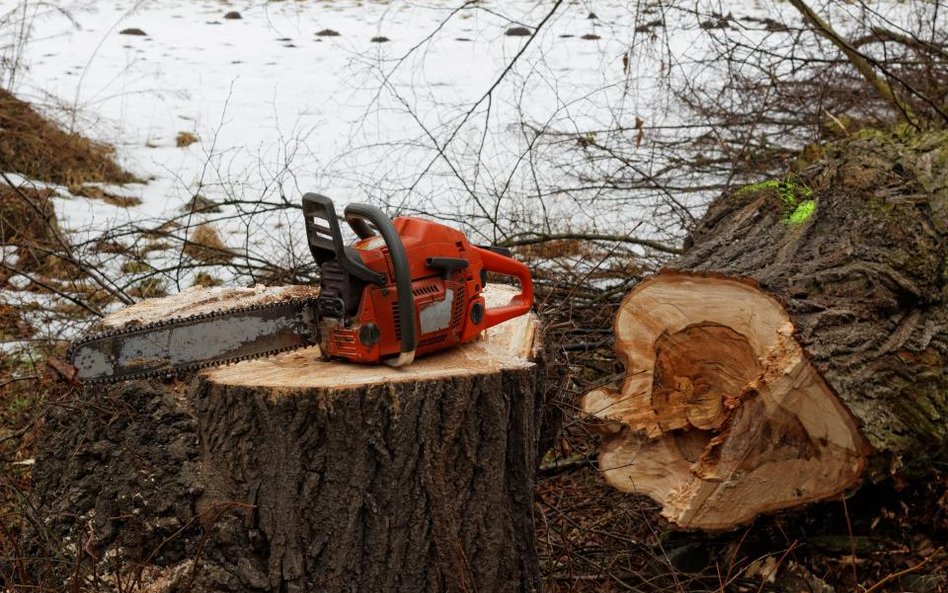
x=445, y=278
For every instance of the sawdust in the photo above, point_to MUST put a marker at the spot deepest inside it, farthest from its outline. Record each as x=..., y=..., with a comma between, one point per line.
x=199, y=300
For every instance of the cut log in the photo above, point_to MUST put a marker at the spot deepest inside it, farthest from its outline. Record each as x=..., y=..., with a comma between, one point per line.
x=798, y=347
x=728, y=418
x=300, y=474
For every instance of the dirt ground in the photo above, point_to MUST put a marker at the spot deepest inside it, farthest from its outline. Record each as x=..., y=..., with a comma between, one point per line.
x=885, y=537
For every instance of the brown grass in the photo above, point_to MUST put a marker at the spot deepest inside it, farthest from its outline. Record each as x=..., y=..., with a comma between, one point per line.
x=36, y=148
x=149, y=288
x=28, y=222
x=206, y=280
x=205, y=245
x=27, y=216
x=185, y=139
x=13, y=325
x=97, y=193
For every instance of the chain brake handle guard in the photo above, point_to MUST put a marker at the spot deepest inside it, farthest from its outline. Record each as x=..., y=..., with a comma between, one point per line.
x=326, y=243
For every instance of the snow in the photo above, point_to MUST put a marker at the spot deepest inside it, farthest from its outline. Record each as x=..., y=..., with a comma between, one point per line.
x=279, y=109
x=413, y=124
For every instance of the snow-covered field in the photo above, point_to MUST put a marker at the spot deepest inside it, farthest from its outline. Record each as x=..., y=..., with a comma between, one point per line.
x=414, y=122
x=401, y=108
x=278, y=108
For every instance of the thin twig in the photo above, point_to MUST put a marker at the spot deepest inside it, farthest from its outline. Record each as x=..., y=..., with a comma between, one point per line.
x=889, y=578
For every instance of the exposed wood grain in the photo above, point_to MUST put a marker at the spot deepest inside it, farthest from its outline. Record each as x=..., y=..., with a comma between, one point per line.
x=723, y=417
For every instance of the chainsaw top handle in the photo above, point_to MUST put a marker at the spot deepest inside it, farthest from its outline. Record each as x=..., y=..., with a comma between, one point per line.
x=357, y=215
x=508, y=266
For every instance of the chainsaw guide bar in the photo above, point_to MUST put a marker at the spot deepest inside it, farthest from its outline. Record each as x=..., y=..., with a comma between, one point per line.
x=179, y=345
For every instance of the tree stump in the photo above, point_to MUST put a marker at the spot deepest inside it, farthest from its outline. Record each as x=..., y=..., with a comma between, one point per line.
x=796, y=348
x=292, y=473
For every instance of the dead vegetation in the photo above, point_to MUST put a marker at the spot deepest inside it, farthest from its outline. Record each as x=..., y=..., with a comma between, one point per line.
x=206, y=245
x=13, y=325
x=27, y=217
x=184, y=139
x=595, y=539
x=39, y=149
x=30, y=232
x=97, y=193
x=29, y=389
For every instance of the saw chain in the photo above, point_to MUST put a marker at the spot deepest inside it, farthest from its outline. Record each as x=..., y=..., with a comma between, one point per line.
x=170, y=347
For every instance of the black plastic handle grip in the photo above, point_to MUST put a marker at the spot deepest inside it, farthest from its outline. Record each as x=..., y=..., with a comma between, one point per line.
x=357, y=215
x=325, y=239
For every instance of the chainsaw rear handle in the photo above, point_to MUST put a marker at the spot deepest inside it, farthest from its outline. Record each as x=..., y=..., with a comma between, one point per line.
x=358, y=215
x=508, y=266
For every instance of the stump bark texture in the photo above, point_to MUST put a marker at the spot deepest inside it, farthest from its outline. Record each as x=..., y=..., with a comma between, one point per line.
x=292, y=473
x=797, y=347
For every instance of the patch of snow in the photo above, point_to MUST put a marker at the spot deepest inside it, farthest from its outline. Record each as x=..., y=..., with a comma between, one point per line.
x=18, y=281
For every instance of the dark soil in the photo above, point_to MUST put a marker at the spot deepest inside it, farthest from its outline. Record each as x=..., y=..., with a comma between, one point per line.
x=28, y=390
x=595, y=539
x=139, y=505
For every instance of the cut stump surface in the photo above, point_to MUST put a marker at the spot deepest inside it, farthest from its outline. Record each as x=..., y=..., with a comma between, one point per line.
x=721, y=405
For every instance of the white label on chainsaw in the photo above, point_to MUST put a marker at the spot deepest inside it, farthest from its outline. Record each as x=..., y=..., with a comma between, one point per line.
x=370, y=243
x=437, y=316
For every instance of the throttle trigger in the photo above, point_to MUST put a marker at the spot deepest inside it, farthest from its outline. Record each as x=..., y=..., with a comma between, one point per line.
x=504, y=251
x=448, y=265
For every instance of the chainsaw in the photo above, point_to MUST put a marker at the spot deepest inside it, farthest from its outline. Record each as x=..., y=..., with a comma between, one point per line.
x=406, y=287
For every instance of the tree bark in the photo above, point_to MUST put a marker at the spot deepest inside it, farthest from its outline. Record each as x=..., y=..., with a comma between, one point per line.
x=798, y=347
x=301, y=474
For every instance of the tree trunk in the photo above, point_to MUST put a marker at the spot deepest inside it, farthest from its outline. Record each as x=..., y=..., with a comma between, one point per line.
x=797, y=347
x=291, y=473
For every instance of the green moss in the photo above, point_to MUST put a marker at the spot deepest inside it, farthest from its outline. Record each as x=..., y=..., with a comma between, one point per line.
x=935, y=140
x=789, y=191
x=879, y=134
x=838, y=125
x=760, y=186
x=802, y=212
x=797, y=197
x=810, y=154
x=904, y=136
